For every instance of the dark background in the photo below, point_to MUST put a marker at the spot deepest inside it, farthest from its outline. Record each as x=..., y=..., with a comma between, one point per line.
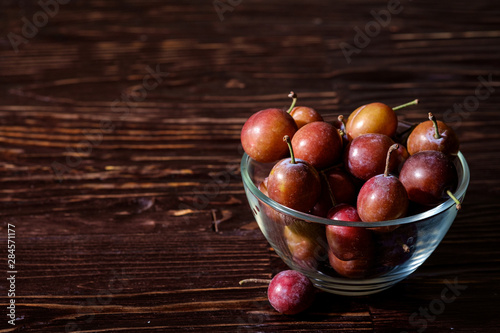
x=108, y=174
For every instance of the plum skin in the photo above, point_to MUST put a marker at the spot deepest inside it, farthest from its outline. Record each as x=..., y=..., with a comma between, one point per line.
x=304, y=115
x=365, y=156
x=318, y=143
x=294, y=185
x=290, y=292
x=422, y=138
x=382, y=198
x=372, y=118
x=306, y=243
x=427, y=175
x=348, y=243
x=262, y=135
x=353, y=269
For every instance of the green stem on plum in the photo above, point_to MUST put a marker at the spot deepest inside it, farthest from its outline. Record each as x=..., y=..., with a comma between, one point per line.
x=458, y=203
x=294, y=96
x=388, y=159
x=286, y=138
x=436, y=128
x=330, y=191
x=414, y=102
x=265, y=281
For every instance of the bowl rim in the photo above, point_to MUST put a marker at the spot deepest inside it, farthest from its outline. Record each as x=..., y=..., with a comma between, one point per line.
x=459, y=193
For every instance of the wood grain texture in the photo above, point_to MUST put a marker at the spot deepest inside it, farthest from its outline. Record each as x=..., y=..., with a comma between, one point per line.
x=131, y=235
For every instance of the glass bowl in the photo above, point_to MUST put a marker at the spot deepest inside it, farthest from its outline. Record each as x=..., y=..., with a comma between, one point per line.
x=300, y=238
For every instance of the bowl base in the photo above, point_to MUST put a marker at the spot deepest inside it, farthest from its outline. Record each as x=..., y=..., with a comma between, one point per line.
x=354, y=289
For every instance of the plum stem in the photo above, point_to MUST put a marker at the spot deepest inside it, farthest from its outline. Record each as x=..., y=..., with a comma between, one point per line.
x=294, y=97
x=388, y=159
x=436, y=129
x=330, y=191
x=264, y=281
x=342, y=130
x=414, y=102
x=286, y=138
x=458, y=203
x=341, y=119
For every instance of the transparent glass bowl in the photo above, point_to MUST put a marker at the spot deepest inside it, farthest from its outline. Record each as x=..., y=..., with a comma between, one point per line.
x=300, y=238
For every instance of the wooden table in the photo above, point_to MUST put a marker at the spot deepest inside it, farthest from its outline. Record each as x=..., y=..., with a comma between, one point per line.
x=117, y=117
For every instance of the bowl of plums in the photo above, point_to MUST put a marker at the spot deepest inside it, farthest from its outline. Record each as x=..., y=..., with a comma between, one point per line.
x=356, y=204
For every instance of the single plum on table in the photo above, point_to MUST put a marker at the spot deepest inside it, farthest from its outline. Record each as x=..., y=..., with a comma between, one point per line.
x=290, y=292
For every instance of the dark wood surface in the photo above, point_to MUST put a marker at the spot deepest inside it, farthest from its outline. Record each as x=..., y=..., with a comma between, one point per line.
x=134, y=234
